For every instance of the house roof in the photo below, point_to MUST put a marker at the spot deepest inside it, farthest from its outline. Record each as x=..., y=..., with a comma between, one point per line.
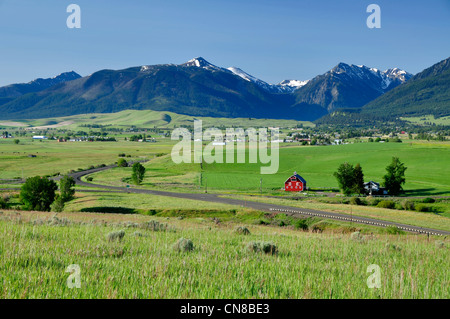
x=301, y=179
x=373, y=183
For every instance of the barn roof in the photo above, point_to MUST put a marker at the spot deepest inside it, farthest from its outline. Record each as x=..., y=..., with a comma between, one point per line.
x=298, y=177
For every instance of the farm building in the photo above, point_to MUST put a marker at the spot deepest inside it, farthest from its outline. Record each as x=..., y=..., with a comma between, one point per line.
x=37, y=137
x=295, y=183
x=373, y=188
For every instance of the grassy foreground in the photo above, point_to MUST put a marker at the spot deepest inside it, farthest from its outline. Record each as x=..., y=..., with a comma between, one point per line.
x=36, y=249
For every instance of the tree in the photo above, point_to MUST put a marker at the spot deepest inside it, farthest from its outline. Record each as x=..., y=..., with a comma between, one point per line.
x=138, y=173
x=345, y=177
x=395, y=177
x=358, y=182
x=38, y=193
x=16, y=141
x=122, y=162
x=66, y=186
x=350, y=179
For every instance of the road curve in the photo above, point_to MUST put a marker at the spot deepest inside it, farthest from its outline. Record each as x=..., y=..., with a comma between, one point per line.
x=292, y=211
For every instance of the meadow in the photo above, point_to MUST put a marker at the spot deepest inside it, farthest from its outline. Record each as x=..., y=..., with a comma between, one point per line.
x=427, y=169
x=147, y=119
x=36, y=248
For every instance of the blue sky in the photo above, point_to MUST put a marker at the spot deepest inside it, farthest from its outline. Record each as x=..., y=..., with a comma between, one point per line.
x=272, y=40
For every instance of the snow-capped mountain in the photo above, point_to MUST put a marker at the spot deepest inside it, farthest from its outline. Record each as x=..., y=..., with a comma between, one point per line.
x=198, y=88
x=349, y=86
x=287, y=86
x=293, y=84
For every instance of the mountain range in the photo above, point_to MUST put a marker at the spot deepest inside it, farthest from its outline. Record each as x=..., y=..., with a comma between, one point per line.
x=426, y=93
x=200, y=88
x=13, y=91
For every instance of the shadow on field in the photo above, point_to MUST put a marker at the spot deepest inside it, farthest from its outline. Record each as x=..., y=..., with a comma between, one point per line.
x=109, y=210
x=424, y=192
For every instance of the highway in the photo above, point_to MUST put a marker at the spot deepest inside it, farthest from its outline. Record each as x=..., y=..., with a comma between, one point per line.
x=288, y=210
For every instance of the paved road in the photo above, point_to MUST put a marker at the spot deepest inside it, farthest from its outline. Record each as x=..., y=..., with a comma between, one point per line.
x=300, y=212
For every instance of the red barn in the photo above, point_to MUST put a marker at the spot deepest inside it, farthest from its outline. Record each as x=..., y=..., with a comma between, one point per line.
x=295, y=183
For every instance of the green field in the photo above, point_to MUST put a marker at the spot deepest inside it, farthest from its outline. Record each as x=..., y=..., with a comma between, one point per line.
x=36, y=250
x=53, y=157
x=148, y=119
x=427, y=169
x=427, y=172
x=421, y=120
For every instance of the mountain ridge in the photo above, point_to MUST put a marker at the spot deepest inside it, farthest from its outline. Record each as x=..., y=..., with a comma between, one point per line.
x=198, y=87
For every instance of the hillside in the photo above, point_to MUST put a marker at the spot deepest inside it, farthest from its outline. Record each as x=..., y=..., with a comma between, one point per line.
x=425, y=94
x=183, y=89
x=428, y=92
x=199, y=88
x=348, y=86
x=10, y=92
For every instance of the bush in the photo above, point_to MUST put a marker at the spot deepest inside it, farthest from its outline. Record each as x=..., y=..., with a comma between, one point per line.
x=408, y=205
x=301, y=224
x=242, y=230
x=55, y=221
x=58, y=205
x=428, y=200
x=89, y=178
x=355, y=201
x=372, y=201
x=386, y=204
x=357, y=236
x=154, y=225
x=393, y=230
x=183, y=245
x=122, y=155
x=422, y=208
x=439, y=244
x=116, y=235
x=393, y=247
x=122, y=163
x=3, y=203
x=262, y=247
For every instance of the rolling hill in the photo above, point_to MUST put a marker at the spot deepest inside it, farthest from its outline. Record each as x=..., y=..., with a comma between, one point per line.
x=199, y=88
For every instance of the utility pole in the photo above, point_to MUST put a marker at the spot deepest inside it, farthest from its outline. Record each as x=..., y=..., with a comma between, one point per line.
x=260, y=186
x=206, y=184
x=351, y=215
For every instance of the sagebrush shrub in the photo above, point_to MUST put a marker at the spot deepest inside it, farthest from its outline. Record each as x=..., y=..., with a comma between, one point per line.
x=262, y=247
x=116, y=235
x=154, y=225
x=242, y=230
x=183, y=245
x=408, y=205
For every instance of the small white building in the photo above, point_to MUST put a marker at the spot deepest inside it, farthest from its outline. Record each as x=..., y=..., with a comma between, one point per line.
x=39, y=137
